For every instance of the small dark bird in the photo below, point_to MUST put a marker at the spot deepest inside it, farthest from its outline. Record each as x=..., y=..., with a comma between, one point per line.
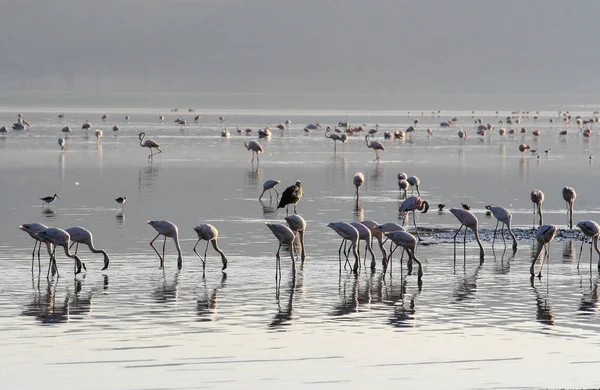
x=466, y=207
x=48, y=199
x=441, y=206
x=121, y=200
x=292, y=194
x=547, y=151
x=488, y=212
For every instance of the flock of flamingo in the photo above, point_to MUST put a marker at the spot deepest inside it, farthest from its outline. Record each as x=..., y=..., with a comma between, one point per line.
x=352, y=233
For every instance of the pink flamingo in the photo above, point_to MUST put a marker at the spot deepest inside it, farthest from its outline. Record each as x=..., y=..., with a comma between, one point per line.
x=537, y=197
x=167, y=229
x=208, y=232
x=544, y=235
x=569, y=196
x=33, y=229
x=285, y=236
x=590, y=229
x=255, y=147
x=408, y=242
x=412, y=204
x=347, y=232
x=375, y=145
x=150, y=144
x=468, y=220
x=59, y=237
x=80, y=235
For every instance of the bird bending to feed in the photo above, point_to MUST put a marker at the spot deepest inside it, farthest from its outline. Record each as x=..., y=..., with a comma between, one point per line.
x=468, y=220
x=504, y=216
x=121, y=200
x=290, y=195
x=375, y=145
x=378, y=234
x=150, y=144
x=225, y=133
x=167, y=229
x=285, y=236
x=403, y=186
x=569, y=196
x=408, y=242
x=86, y=125
x=297, y=224
x=364, y=233
x=59, y=237
x=544, y=235
x=268, y=186
x=524, y=147
x=98, y=133
x=116, y=127
x=62, y=143
x=66, y=129
x=49, y=199
x=358, y=181
x=81, y=235
x=334, y=137
x=347, y=232
x=537, y=197
x=414, y=183
x=441, y=207
x=255, y=147
x=412, y=204
x=209, y=233
x=33, y=229
x=588, y=228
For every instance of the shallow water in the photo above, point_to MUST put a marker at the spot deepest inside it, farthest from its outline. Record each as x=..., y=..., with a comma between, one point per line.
x=148, y=328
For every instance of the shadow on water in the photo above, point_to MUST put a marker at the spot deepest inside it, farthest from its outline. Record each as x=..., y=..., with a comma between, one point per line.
x=166, y=291
x=589, y=296
x=148, y=177
x=544, y=313
x=466, y=285
x=207, y=305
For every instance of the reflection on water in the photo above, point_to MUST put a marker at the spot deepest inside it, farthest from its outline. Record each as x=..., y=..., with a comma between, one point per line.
x=253, y=177
x=544, y=313
x=120, y=217
x=61, y=164
x=589, y=296
x=284, y=314
x=358, y=213
x=502, y=266
x=207, y=305
x=166, y=291
x=268, y=208
x=48, y=214
x=466, y=285
x=148, y=177
x=568, y=252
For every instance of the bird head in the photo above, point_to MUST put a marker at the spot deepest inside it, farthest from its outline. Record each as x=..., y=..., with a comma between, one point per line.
x=424, y=206
x=298, y=183
x=142, y=135
x=56, y=196
x=488, y=206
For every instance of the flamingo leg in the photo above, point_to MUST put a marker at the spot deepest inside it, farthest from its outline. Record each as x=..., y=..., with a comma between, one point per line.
x=340, y=255
x=76, y=247
x=295, y=212
x=458, y=231
x=465, y=247
x=494, y=239
x=261, y=195
x=158, y=254
x=580, y=251
x=547, y=254
x=278, y=249
x=275, y=189
x=415, y=223
x=502, y=232
x=203, y=261
x=206, y=249
x=531, y=270
x=33, y=253
x=164, y=246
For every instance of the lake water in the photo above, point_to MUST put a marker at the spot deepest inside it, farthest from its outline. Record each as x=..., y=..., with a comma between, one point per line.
x=135, y=326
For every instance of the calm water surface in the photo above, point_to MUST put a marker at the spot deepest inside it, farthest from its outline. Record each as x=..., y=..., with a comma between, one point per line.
x=484, y=325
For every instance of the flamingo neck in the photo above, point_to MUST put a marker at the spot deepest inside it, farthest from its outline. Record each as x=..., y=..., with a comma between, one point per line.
x=216, y=246
x=595, y=242
x=476, y=232
x=176, y=240
x=512, y=234
x=303, y=252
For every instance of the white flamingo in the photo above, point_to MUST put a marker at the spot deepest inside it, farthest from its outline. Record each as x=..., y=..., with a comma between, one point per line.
x=285, y=236
x=255, y=147
x=167, y=229
x=33, y=229
x=59, y=237
x=62, y=143
x=358, y=181
x=378, y=234
x=504, y=216
x=347, y=232
x=364, y=234
x=544, y=235
x=537, y=197
x=297, y=224
x=569, y=195
x=375, y=145
x=268, y=186
x=98, y=133
x=414, y=182
x=209, y=233
x=468, y=220
x=408, y=242
x=150, y=144
x=590, y=229
x=81, y=235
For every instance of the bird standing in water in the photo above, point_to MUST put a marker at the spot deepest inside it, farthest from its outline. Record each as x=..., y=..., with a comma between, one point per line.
x=590, y=229
x=544, y=235
x=285, y=236
x=80, y=235
x=150, y=144
x=468, y=220
x=59, y=237
x=268, y=186
x=537, y=197
x=255, y=147
x=209, y=233
x=33, y=229
x=297, y=224
x=49, y=199
x=121, y=200
x=504, y=216
x=292, y=194
x=358, y=181
x=569, y=196
x=167, y=229
x=375, y=145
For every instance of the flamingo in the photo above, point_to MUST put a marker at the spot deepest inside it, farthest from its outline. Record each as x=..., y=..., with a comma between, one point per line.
x=468, y=220
x=347, y=232
x=86, y=125
x=116, y=127
x=66, y=129
x=588, y=228
x=523, y=148
x=378, y=234
x=59, y=237
x=312, y=126
x=462, y=134
x=414, y=182
x=408, y=242
x=364, y=234
x=334, y=137
x=255, y=147
x=375, y=145
x=411, y=204
x=98, y=133
x=150, y=144
x=121, y=200
x=544, y=235
x=3, y=130
x=225, y=133
x=209, y=233
x=297, y=224
x=285, y=236
x=127, y=117
x=104, y=117
x=291, y=195
x=264, y=133
x=161, y=118
x=569, y=196
x=537, y=197
x=62, y=143
x=268, y=186
x=167, y=229
x=33, y=229
x=504, y=216
x=402, y=176
x=81, y=235
x=49, y=199
x=403, y=186
x=358, y=181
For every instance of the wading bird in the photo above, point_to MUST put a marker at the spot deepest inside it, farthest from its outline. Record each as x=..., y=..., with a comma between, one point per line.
x=375, y=145
x=408, y=242
x=167, y=229
x=33, y=229
x=255, y=147
x=268, y=186
x=334, y=137
x=81, y=235
x=414, y=183
x=504, y=216
x=378, y=234
x=588, y=228
x=347, y=232
x=468, y=220
x=291, y=195
x=537, y=197
x=59, y=237
x=297, y=224
x=62, y=143
x=150, y=144
x=569, y=196
x=209, y=233
x=358, y=181
x=285, y=236
x=49, y=199
x=121, y=200
x=544, y=235
x=412, y=204
x=364, y=234
x=98, y=133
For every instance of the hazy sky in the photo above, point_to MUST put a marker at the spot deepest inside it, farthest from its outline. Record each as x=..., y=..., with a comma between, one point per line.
x=302, y=46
